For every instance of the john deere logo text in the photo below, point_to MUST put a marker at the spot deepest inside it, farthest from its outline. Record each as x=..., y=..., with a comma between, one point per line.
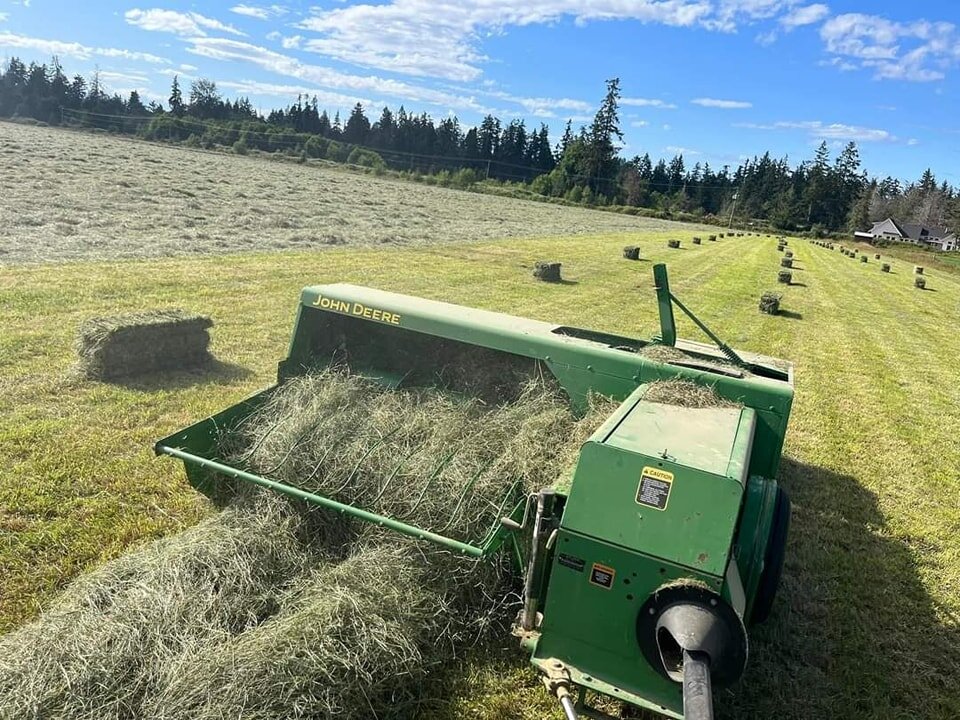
x=358, y=309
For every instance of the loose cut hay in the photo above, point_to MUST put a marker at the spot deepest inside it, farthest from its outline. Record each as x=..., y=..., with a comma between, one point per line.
x=106, y=643
x=142, y=342
x=276, y=610
x=685, y=393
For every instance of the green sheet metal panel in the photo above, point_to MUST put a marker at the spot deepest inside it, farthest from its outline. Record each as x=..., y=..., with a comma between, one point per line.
x=664, y=480
x=592, y=628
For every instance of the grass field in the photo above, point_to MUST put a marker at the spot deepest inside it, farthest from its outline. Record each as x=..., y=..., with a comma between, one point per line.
x=866, y=624
x=75, y=196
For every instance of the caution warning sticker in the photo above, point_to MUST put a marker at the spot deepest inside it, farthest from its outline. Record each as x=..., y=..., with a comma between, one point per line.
x=654, y=488
x=602, y=575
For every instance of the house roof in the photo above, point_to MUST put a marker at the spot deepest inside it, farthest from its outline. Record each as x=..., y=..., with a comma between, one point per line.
x=917, y=231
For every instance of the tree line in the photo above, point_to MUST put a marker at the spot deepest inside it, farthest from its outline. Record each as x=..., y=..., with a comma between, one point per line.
x=584, y=166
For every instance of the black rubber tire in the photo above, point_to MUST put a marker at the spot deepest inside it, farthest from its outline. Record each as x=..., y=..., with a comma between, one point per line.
x=773, y=562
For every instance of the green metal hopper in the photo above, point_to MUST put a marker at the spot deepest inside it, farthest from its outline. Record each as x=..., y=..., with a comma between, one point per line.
x=641, y=577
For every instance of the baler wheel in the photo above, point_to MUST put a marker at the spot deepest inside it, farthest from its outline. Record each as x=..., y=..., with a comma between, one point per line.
x=773, y=562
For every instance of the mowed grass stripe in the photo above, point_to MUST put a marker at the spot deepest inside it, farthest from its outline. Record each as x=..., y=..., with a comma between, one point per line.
x=873, y=573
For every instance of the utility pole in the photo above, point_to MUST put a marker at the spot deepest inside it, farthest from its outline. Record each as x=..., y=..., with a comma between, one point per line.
x=736, y=195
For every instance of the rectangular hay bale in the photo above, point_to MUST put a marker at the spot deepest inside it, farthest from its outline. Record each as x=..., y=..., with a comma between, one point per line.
x=140, y=343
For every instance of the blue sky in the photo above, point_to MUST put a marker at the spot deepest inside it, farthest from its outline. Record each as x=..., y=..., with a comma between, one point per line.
x=715, y=79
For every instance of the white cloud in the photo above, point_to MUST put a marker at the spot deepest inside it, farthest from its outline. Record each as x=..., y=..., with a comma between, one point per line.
x=329, y=99
x=678, y=150
x=292, y=42
x=767, y=38
x=188, y=68
x=639, y=123
x=250, y=11
x=722, y=104
x=805, y=15
x=185, y=24
x=4, y=16
x=75, y=50
x=647, y=102
x=827, y=131
x=258, y=12
x=913, y=141
x=125, y=78
x=423, y=37
x=919, y=51
x=667, y=126
x=325, y=77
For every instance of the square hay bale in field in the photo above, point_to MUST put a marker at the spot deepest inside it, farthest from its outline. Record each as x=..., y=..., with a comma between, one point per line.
x=697, y=241
x=712, y=238
x=631, y=252
x=788, y=253
x=141, y=343
x=547, y=271
x=885, y=267
x=919, y=281
x=673, y=244
x=770, y=303
x=786, y=262
x=863, y=258
x=785, y=277
x=918, y=269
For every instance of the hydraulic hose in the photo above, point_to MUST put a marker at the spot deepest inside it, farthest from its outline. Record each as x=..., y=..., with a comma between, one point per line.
x=697, y=693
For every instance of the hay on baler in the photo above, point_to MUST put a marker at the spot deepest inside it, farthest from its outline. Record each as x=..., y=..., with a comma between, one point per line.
x=141, y=343
x=685, y=393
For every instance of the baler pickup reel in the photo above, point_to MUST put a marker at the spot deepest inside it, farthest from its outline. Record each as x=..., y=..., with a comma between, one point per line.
x=642, y=572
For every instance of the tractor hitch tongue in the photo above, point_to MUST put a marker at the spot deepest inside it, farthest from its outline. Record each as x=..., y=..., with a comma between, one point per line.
x=645, y=565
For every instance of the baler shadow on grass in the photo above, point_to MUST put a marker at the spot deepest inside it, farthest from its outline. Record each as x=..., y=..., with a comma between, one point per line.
x=790, y=314
x=853, y=632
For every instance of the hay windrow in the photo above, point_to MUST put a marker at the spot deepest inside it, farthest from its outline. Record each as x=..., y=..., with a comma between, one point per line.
x=103, y=646
x=685, y=393
x=271, y=610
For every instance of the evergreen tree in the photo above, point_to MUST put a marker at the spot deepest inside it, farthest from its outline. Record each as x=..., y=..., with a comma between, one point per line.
x=176, y=98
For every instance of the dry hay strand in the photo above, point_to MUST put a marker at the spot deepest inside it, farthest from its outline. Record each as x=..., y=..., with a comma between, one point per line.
x=547, y=271
x=662, y=353
x=142, y=342
x=770, y=303
x=685, y=393
x=107, y=641
x=631, y=252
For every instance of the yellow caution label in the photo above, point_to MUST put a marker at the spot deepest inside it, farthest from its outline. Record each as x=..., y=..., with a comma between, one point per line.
x=654, y=488
x=602, y=575
x=346, y=307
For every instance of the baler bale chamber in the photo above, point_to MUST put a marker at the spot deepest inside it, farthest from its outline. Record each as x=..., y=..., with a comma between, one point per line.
x=643, y=569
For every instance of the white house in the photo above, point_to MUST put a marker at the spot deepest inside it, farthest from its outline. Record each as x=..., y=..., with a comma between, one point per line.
x=930, y=236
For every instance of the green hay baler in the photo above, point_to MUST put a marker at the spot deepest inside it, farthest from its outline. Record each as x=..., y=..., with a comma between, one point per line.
x=642, y=570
